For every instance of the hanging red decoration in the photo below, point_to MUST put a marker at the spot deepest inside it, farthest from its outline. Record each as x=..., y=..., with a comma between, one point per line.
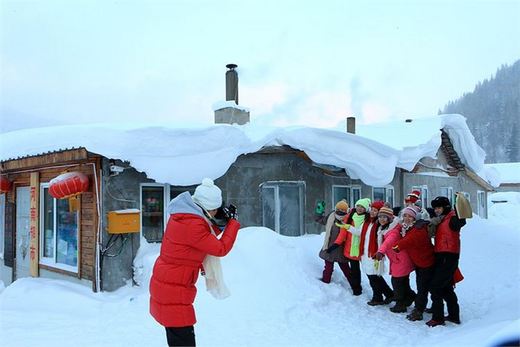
x=5, y=185
x=68, y=184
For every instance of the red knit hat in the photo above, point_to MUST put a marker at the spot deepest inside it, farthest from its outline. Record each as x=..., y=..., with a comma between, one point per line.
x=413, y=196
x=378, y=204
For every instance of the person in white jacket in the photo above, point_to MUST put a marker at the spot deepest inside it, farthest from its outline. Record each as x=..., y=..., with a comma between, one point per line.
x=381, y=221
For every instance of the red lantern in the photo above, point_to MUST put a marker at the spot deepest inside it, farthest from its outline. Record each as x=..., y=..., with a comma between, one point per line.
x=68, y=184
x=5, y=185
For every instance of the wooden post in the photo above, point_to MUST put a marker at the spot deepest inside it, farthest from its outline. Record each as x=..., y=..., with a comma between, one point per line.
x=33, y=225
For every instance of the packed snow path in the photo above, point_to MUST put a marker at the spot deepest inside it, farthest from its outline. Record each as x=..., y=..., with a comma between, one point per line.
x=277, y=300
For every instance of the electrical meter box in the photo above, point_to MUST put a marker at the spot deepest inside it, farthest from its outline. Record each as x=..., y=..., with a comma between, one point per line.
x=124, y=221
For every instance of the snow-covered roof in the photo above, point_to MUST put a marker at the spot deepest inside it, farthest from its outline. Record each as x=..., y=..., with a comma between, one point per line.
x=509, y=172
x=422, y=137
x=184, y=154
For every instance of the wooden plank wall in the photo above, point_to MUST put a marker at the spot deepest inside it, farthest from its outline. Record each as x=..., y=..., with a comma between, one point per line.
x=88, y=218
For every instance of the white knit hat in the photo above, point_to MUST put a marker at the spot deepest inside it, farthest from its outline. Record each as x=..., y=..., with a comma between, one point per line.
x=208, y=195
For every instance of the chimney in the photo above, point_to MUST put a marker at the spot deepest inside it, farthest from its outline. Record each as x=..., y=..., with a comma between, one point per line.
x=232, y=83
x=351, y=125
x=229, y=112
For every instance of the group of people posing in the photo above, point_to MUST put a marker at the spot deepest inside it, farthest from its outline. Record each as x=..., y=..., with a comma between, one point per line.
x=368, y=234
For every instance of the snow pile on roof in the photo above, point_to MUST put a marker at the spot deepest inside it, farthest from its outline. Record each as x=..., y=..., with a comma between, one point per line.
x=422, y=138
x=509, y=172
x=185, y=155
x=228, y=104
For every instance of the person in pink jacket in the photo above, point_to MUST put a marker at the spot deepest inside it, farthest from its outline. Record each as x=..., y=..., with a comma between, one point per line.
x=400, y=268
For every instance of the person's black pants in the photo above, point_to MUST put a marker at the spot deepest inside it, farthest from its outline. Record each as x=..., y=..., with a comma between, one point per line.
x=183, y=336
x=354, y=278
x=403, y=294
x=423, y=277
x=442, y=284
x=379, y=288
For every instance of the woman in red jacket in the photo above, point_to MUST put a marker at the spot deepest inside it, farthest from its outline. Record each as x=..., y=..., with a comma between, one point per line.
x=418, y=244
x=189, y=240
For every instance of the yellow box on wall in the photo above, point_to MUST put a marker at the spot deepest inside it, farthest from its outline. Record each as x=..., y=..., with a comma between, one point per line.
x=124, y=221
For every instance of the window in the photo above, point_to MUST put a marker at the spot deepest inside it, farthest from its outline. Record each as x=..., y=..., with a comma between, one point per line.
x=424, y=194
x=282, y=207
x=356, y=195
x=447, y=192
x=481, y=204
x=152, y=212
x=58, y=232
x=2, y=224
x=339, y=193
x=378, y=193
x=385, y=194
x=349, y=193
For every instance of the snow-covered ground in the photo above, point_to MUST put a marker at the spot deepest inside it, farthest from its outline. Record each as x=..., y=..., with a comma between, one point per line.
x=276, y=300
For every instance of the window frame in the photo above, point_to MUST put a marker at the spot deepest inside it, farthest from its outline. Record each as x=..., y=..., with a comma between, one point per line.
x=449, y=194
x=424, y=194
x=166, y=195
x=352, y=189
x=386, y=188
x=334, y=200
x=277, y=209
x=481, y=209
x=51, y=262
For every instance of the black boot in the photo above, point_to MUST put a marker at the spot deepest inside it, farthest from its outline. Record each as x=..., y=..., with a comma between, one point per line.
x=398, y=308
x=410, y=299
x=415, y=315
x=452, y=319
x=388, y=300
x=375, y=302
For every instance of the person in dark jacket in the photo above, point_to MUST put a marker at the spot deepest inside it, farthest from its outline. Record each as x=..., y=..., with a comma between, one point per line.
x=335, y=255
x=420, y=248
x=447, y=252
x=190, y=240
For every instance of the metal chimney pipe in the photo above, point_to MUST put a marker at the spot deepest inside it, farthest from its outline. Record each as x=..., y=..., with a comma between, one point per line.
x=351, y=125
x=232, y=83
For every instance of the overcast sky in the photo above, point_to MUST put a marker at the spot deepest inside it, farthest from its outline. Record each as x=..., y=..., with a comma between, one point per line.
x=300, y=62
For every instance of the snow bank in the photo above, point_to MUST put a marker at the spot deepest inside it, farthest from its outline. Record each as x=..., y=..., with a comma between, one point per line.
x=503, y=206
x=509, y=172
x=276, y=300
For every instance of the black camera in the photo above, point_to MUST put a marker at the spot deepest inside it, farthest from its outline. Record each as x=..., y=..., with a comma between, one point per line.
x=224, y=214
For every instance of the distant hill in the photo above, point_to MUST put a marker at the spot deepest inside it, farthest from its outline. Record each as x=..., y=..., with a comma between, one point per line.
x=493, y=113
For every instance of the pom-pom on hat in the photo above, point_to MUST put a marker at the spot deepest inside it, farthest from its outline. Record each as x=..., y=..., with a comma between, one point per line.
x=378, y=204
x=413, y=196
x=342, y=205
x=208, y=195
x=386, y=211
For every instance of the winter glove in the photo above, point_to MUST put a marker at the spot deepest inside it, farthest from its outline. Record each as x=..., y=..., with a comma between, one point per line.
x=379, y=256
x=376, y=265
x=231, y=212
x=342, y=225
x=396, y=249
x=331, y=248
x=320, y=208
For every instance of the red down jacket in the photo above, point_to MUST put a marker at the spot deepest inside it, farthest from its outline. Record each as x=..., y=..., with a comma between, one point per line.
x=186, y=242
